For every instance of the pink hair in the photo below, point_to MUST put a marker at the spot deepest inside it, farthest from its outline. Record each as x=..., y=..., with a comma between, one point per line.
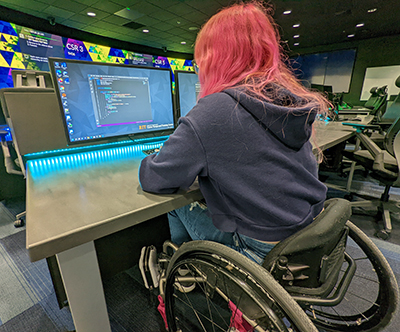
x=239, y=46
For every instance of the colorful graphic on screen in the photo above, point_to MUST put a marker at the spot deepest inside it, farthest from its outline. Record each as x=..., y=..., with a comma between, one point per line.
x=26, y=48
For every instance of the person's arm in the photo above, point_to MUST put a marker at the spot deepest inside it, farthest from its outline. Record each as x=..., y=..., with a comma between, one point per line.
x=176, y=165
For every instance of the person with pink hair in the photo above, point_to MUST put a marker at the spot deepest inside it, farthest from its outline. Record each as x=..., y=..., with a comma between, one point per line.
x=247, y=140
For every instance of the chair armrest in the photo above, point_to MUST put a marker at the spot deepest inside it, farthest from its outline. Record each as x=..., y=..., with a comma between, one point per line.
x=360, y=127
x=396, y=148
x=377, y=153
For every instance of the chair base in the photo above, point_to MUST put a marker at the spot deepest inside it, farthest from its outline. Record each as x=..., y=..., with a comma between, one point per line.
x=19, y=222
x=385, y=208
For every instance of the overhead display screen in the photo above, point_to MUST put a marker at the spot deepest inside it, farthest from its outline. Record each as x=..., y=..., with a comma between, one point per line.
x=26, y=48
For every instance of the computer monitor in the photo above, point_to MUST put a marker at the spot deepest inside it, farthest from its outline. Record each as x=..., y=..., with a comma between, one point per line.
x=187, y=88
x=110, y=102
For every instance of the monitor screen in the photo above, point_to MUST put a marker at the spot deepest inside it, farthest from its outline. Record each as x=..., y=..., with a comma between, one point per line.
x=187, y=87
x=106, y=102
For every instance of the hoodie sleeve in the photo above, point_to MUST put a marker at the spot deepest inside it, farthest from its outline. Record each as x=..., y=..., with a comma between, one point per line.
x=176, y=165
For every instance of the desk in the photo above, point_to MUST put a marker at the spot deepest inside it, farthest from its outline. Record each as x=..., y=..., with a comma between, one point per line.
x=75, y=199
x=329, y=134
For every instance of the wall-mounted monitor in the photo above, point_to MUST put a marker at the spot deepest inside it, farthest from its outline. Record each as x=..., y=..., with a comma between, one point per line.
x=333, y=69
x=187, y=89
x=109, y=102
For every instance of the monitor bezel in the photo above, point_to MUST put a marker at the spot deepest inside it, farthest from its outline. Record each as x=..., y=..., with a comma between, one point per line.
x=114, y=138
x=177, y=100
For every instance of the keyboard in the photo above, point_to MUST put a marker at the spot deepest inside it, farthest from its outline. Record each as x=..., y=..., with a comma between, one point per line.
x=150, y=151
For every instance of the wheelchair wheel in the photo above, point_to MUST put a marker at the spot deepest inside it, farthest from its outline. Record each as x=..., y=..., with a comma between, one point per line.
x=231, y=293
x=372, y=297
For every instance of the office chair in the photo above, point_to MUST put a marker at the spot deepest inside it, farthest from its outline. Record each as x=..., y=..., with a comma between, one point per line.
x=392, y=111
x=22, y=106
x=377, y=98
x=328, y=275
x=378, y=108
x=11, y=165
x=383, y=164
x=384, y=121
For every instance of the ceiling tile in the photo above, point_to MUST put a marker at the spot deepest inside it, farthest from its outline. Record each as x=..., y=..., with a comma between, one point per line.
x=164, y=3
x=105, y=25
x=83, y=19
x=129, y=14
x=147, y=20
x=108, y=6
x=58, y=12
x=145, y=8
x=17, y=4
x=83, y=2
x=164, y=15
x=74, y=24
x=196, y=17
x=69, y=5
x=180, y=9
x=126, y=3
x=163, y=26
x=117, y=20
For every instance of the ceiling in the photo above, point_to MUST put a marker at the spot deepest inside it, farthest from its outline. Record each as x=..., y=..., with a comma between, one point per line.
x=173, y=24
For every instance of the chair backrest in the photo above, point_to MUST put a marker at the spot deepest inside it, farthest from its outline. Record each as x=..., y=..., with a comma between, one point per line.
x=309, y=261
x=391, y=135
x=372, y=98
x=31, y=79
x=34, y=118
x=379, y=106
x=393, y=111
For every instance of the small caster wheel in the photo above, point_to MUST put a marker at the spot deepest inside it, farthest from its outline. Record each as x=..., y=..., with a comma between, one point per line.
x=382, y=234
x=19, y=223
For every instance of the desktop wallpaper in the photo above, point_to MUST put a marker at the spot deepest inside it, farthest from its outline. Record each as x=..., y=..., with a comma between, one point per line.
x=26, y=48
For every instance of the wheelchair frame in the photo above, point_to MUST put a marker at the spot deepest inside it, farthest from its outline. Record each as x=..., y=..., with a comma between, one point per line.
x=277, y=296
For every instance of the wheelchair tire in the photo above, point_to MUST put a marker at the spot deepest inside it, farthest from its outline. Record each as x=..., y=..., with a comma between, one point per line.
x=372, y=298
x=224, y=276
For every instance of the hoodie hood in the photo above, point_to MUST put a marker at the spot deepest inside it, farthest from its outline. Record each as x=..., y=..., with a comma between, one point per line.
x=290, y=124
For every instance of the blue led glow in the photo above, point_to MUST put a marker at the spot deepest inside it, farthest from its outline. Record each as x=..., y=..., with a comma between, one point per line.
x=91, y=147
x=74, y=161
x=8, y=136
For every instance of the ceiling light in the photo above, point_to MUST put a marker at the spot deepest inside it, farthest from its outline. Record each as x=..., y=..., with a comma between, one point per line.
x=287, y=12
x=372, y=10
x=360, y=25
x=296, y=36
x=183, y=43
x=296, y=44
x=296, y=25
x=145, y=30
x=350, y=36
x=91, y=14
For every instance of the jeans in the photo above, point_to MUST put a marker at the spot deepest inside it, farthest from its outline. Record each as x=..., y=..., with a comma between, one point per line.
x=192, y=222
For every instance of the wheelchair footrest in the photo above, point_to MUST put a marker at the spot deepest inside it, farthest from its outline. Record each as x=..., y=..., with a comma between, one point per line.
x=149, y=267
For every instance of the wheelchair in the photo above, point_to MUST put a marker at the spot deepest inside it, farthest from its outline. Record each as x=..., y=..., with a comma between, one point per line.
x=327, y=277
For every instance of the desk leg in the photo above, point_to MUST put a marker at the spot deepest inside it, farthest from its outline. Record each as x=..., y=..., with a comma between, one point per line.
x=81, y=277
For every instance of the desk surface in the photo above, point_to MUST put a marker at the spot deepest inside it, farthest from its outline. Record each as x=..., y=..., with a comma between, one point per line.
x=81, y=197
x=78, y=198
x=328, y=134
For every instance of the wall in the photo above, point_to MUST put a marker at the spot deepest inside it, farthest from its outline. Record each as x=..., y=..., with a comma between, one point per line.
x=374, y=52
